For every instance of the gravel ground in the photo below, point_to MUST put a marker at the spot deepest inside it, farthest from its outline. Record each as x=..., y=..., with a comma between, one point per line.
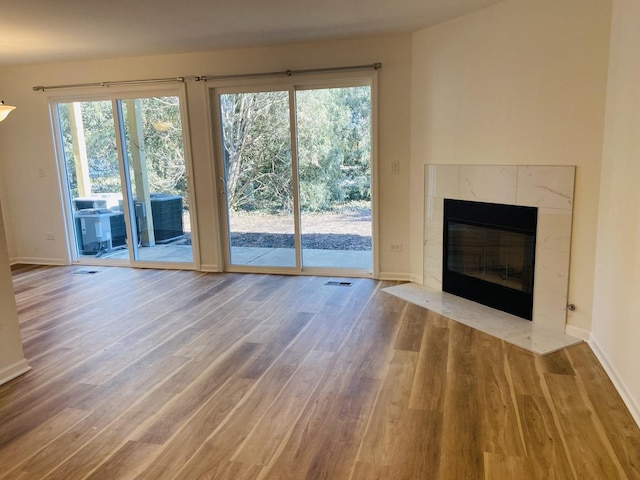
x=329, y=231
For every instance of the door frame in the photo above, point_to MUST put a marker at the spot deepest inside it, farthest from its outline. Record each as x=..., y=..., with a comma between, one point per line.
x=306, y=82
x=112, y=95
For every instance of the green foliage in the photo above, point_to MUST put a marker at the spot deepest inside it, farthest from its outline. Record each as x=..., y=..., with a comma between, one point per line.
x=99, y=138
x=257, y=151
x=334, y=148
x=67, y=146
x=334, y=144
x=161, y=144
x=315, y=197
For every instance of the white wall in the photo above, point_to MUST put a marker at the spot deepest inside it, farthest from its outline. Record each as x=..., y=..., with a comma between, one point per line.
x=616, y=306
x=33, y=205
x=12, y=361
x=520, y=83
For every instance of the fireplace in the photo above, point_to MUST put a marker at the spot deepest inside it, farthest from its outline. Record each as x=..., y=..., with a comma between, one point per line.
x=489, y=254
x=547, y=188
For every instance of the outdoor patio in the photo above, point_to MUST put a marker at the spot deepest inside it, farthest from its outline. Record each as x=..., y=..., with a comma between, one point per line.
x=256, y=256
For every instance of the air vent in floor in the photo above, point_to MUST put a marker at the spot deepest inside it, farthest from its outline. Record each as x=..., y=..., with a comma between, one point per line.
x=339, y=284
x=85, y=272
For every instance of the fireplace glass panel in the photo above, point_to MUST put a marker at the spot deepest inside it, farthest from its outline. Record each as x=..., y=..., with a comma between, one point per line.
x=501, y=257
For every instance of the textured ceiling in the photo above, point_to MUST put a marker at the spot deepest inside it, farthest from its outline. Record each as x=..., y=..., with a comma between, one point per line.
x=36, y=31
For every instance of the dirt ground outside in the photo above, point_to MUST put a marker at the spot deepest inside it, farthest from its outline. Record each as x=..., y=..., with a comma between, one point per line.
x=349, y=230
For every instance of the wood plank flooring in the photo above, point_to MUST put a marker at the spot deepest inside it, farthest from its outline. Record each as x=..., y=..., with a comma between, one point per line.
x=145, y=374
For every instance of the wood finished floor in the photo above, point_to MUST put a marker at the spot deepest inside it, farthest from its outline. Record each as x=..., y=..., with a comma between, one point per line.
x=151, y=374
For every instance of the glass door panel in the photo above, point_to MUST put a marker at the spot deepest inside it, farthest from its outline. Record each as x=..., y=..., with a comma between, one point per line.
x=334, y=163
x=93, y=175
x=258, y=178
x=154, y=156
x=148, y=185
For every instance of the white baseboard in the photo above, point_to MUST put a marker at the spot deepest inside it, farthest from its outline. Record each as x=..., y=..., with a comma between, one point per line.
x=38, y=261
x=578, y=332
x=14, y=370
x=209, y=268
x=627, y=398
x=393, y=276
x=416, y=279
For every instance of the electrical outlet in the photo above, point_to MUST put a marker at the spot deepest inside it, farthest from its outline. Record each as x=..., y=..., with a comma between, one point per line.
x=51, y=236
x=395, y=167
x=396, y=247
x=41, y=172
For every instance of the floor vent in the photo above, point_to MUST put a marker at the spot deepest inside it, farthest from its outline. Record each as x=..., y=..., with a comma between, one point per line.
x=85, y=272
x=339, y=284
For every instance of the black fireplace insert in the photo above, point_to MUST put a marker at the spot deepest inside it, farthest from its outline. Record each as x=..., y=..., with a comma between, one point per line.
x=489, y=254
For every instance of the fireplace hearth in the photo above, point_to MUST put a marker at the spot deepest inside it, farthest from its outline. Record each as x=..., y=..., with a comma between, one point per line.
x=489, y=254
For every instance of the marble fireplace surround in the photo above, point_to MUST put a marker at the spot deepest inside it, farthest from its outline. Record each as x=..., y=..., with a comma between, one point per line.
x=550, y=188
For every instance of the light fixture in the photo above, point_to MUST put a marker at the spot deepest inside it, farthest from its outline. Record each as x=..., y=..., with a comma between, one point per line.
x=5, y=110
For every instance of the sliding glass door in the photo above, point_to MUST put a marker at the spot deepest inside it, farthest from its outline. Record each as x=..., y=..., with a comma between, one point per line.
x=296, y=177
x=258, y=178
x=334, y=171
x=125, y=170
